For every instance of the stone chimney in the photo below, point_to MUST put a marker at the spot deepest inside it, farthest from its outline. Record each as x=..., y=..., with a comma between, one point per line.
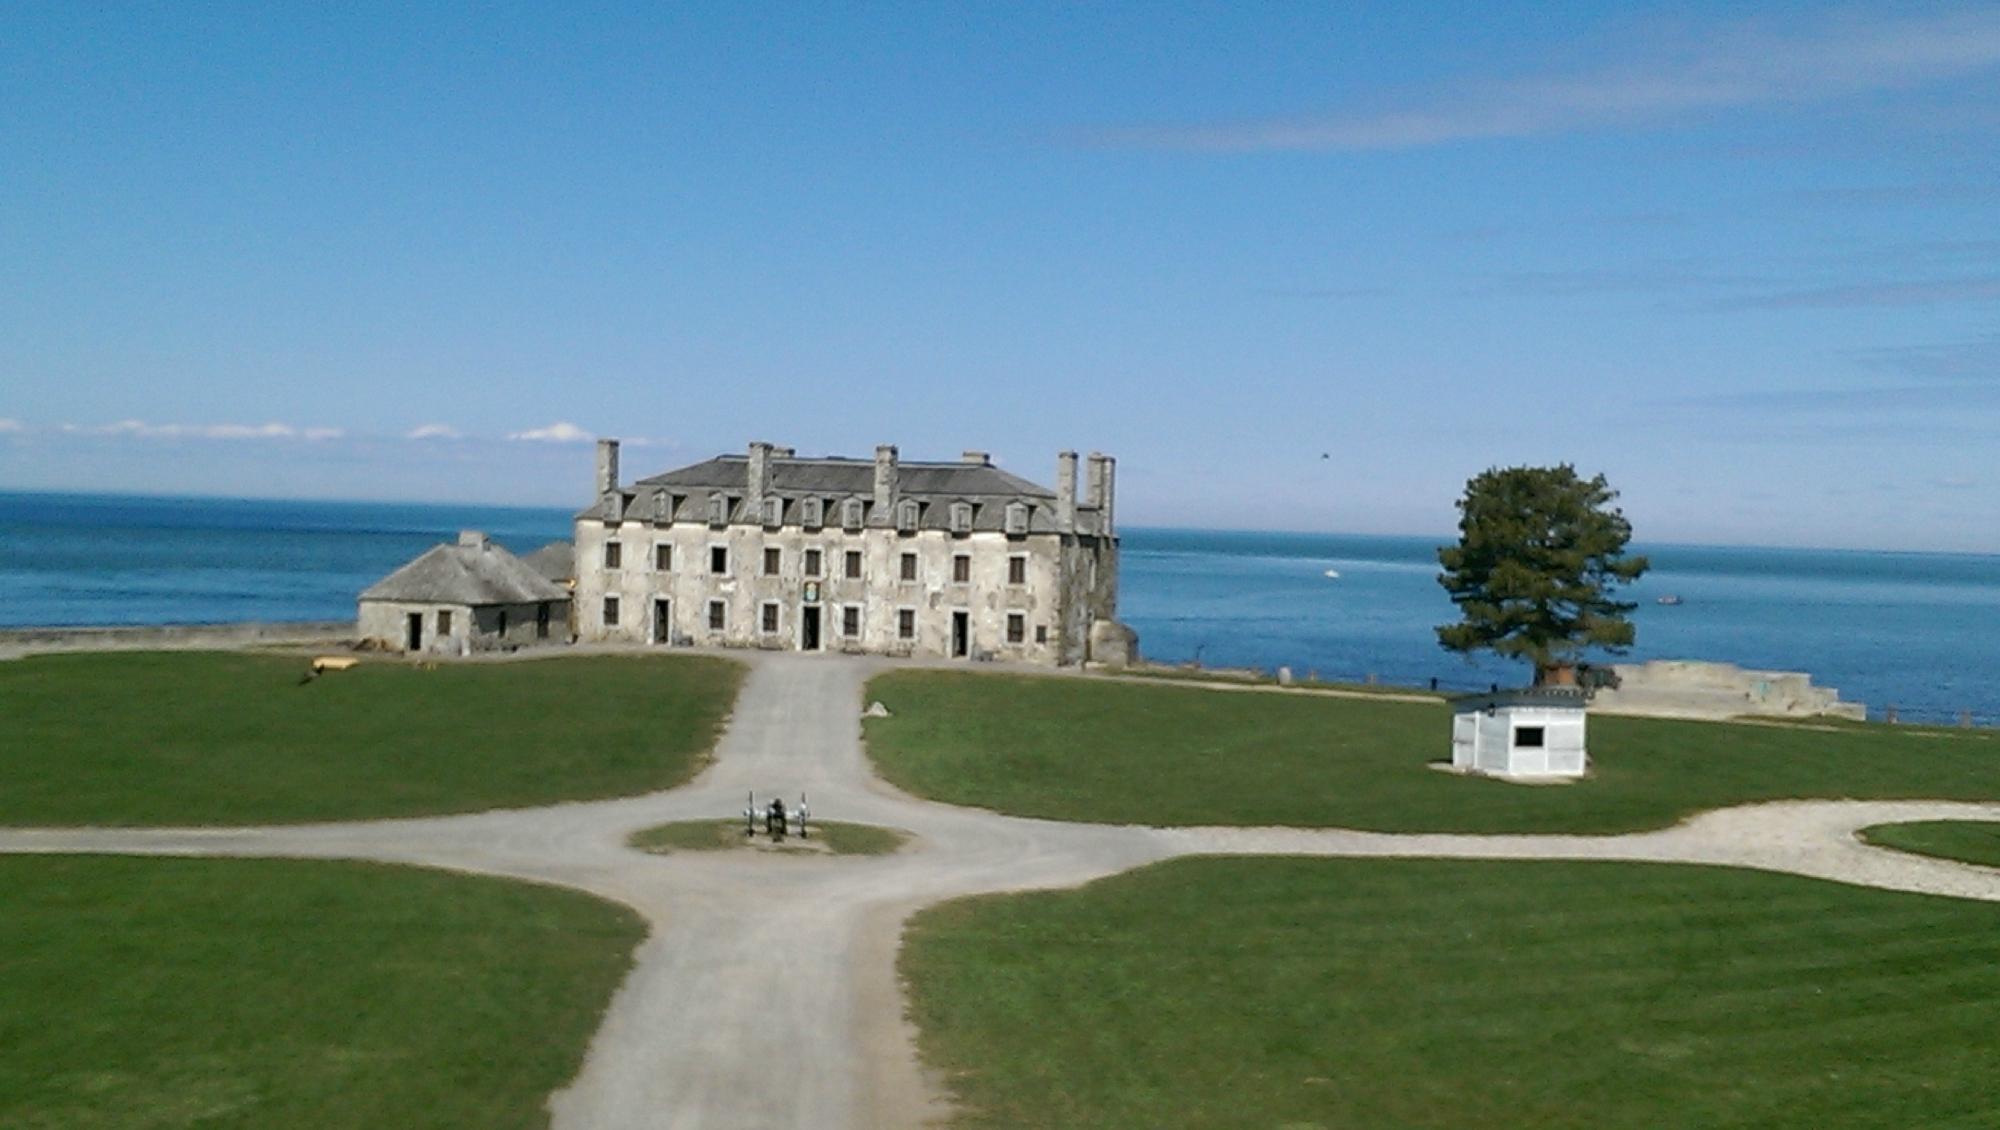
x=759, y=479
x=885, y=481
x=1066, y=491
x=977, y=458
x=1102, y=471
x=607, y=466
x=784, y=452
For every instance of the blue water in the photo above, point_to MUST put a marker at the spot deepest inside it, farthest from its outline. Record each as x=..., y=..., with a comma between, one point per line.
x=1916, y=630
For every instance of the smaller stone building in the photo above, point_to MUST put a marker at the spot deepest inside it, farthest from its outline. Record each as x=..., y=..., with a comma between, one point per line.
x=458, y=599
x=1526, y=733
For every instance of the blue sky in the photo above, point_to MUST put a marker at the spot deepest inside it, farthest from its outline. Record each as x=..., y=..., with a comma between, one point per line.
x=1298, y=266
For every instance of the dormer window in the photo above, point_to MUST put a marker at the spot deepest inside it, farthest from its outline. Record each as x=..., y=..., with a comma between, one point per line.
x=850, y=514
x=774, y=512
x=1017, y=517
x=718, y=509
x=906, y=516
x=961, y=517
x=663, y=507
x=812, y=512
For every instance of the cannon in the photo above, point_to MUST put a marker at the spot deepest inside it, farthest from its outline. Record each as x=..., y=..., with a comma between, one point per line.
x=779, y=821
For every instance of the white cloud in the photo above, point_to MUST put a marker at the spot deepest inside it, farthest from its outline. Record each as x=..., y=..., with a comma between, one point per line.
x=560, y=432
x=143, y=430
x=434, y=431
x=1731, y=66
x=8, y=426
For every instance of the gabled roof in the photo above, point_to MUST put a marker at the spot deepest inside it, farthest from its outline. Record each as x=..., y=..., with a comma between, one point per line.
x=555, y=561
x=470, y=573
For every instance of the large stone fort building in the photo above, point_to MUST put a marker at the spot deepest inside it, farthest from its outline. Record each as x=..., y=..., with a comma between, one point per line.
x=772, y=550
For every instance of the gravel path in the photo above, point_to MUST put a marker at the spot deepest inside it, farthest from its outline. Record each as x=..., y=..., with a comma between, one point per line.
x=767, y=995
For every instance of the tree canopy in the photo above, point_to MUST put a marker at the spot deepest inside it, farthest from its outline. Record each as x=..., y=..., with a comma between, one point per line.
x=1540, y=554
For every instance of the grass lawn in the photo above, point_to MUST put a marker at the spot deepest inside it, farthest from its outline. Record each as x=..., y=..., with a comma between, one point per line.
x=255, y=993
x=1378, y=994
x=1089, y=749
x=1968, y=841
x=233, y=738
x=828, y=837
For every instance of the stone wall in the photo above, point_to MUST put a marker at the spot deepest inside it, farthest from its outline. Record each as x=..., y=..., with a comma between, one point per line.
x=1055, y=601
x=1701, y=689
x=174, y=636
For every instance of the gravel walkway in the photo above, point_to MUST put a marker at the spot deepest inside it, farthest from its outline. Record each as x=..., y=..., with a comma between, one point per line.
x=767, y=995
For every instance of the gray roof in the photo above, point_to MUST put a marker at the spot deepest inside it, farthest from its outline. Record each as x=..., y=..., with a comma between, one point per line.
x=555, y=561
x=1562, y=697
x=471, y=574
x=683, y=494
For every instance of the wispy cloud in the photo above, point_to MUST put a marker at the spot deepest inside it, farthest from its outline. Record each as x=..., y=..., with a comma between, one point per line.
x=1977, y=360
x=560, y=432
x=434, y=431
x=11, y=426
x=1732, y=66
x=1923, y=292
x=1921, y=195
x=1661, y=278
x=143, y=430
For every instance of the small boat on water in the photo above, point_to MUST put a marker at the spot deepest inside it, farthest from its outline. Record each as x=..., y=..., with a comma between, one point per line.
x=1334, y=573
x=1671, y=598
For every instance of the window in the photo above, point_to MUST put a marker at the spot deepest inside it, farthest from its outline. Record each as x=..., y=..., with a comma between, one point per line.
x=773, y=560
x=770, y=616
x=718, y=615
x=774, y=511
x=718, y=559
x=906, y=516
x=614, y=555
x=811, y=513
x=906, y=623
x=1017, y=569
x=812, y=562
x=961, y=568
x=961, y=517
x=610, y=611
x=718, y=509
x=663, y=557
x=542, y=620
x=1017, y=628
x=850, y=621
x=1017, y=517
x=1041, y=633
x=853, y=565
x=1528, y=737
x=850, y=514
x=500, y=625
x=444, y=622
x=663, y=507
x=909, y=567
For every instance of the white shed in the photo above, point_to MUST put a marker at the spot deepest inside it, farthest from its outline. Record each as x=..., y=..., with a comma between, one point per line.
x=1526, y=733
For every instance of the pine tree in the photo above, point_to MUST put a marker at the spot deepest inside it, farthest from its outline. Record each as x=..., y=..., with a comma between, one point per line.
x=1539, y=557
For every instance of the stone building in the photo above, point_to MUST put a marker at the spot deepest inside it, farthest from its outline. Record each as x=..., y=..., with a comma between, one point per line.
x=458, y=599
x=772, y=550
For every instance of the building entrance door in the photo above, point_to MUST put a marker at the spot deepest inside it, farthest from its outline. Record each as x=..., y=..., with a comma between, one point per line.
x=961, y=634
x=809, y=628
x=663, y=621
x=416, y=637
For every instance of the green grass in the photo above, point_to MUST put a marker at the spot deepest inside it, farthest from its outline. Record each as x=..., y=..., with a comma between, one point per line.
x=253, y=993
x=830, y=838
x=1084, y=749
x=1385, y=994
x=233, y=738
x=1968, y=841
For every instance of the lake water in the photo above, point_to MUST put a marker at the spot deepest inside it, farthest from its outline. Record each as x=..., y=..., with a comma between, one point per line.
x=1916, y=630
